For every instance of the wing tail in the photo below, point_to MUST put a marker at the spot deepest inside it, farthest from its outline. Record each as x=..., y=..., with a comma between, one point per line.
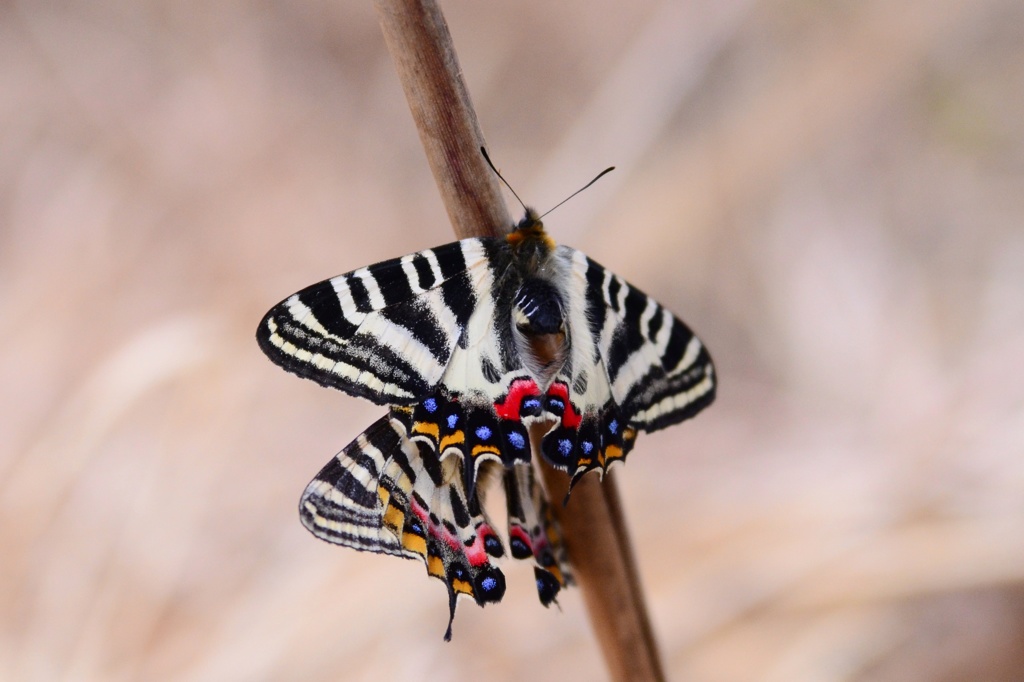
x=534, y=533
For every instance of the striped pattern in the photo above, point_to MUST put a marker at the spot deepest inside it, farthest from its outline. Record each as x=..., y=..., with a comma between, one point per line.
x=658, y=371
x=384, y=332
x=383, y=493
x=470, y=344
x=342, y=505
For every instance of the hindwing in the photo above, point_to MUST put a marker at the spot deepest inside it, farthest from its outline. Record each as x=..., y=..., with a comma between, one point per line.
x=390, y=492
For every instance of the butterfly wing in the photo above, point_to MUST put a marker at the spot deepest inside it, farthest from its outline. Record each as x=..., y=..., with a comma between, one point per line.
x=634, y=366
x=343, y=503
x=533, y=532
x=384, y=332
x=658, y=371
x=386, y=493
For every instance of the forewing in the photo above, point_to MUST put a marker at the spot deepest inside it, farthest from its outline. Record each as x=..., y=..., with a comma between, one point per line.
x=384, y=332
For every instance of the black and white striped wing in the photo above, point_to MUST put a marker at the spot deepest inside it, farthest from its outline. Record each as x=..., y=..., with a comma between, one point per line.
x=634, y=366
x=659, y=372
x=384, y=332
x=383, y=493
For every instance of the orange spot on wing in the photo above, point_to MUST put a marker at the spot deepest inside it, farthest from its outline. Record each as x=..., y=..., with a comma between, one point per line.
x=414, y=543
x=481, y=449
x=452, y=439
x=394, y=518
x=426, y=427
x=462, y=587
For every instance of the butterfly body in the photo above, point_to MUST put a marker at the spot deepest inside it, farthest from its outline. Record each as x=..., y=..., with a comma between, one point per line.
x=471, y=344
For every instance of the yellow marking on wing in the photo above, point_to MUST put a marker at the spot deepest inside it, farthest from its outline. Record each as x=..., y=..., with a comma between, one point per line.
x=608, y=454
x=463, y=587
x=452, y=439
x=414, y=543
x=428, y=428
x=480, y=449
x=394, y=518
x=557, y=572
x=435, y=566
x=384, y=494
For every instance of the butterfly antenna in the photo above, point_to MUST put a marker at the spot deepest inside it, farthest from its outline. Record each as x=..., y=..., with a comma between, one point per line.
x=600, y=175
x=503, y=180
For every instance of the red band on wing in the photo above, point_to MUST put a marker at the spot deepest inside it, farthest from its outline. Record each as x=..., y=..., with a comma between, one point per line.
x=476, y=553
x=570, y=417
x=509, y=407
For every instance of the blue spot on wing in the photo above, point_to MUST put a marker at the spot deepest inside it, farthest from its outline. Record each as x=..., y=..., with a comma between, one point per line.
x=430, y=404
x=483, y=432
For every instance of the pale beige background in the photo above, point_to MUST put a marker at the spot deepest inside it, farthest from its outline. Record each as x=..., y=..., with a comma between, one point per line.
x=831, y=193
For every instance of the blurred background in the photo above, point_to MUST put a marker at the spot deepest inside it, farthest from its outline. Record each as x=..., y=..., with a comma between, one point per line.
x=831, y=193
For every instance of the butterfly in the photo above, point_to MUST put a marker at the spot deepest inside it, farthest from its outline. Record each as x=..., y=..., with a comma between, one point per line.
x=470, y=344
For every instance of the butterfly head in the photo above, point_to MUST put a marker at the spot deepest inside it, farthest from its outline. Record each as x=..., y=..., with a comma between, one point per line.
x=529, y=233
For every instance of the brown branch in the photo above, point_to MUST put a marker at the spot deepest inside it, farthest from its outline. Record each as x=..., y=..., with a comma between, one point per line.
x=421, y=47
x=595, y=531
x=602, y=560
